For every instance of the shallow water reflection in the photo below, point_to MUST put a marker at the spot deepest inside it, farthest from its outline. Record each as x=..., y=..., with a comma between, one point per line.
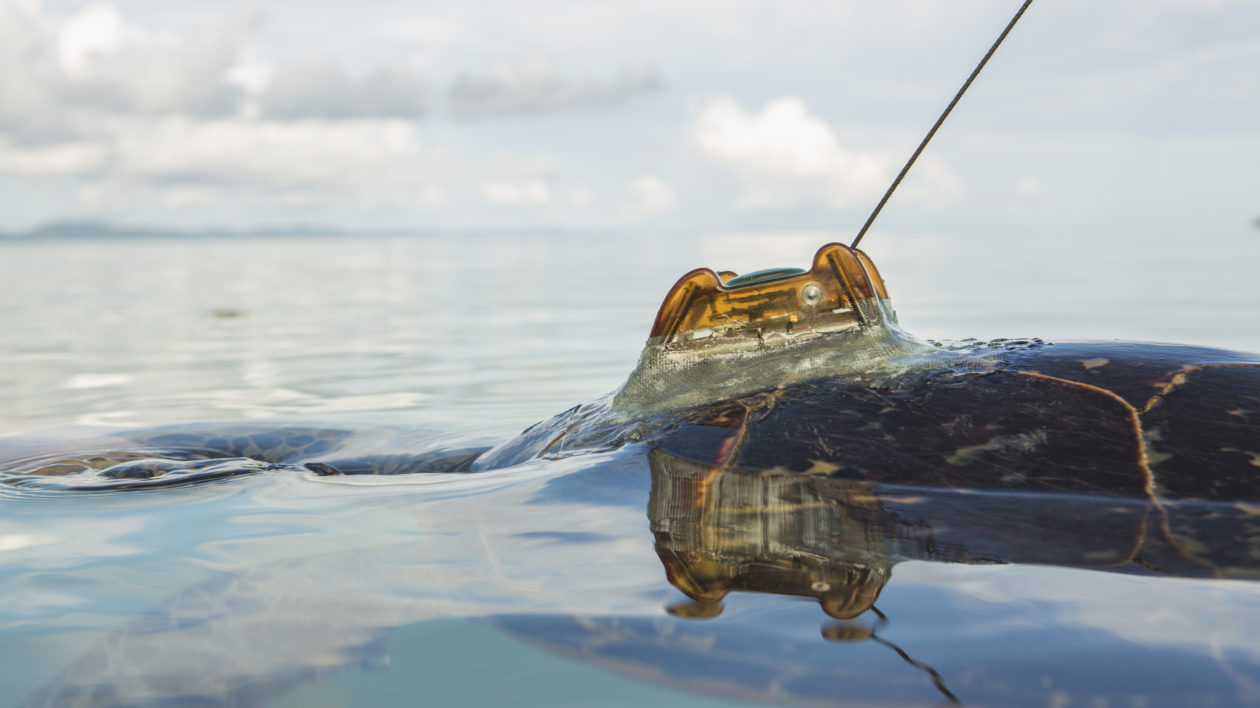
x=287, y=589
x=658, y=569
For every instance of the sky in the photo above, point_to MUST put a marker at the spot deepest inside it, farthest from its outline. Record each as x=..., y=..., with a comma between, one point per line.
x=1142, y=115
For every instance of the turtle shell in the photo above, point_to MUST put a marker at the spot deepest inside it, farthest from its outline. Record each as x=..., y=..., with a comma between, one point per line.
x=1139, y=421
x=1154, y=450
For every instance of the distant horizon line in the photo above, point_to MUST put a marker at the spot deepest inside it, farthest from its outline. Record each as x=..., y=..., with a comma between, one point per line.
x=102, y=229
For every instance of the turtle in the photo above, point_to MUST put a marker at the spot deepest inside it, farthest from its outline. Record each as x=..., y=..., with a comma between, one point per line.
x=794, y=441
x=808, y=372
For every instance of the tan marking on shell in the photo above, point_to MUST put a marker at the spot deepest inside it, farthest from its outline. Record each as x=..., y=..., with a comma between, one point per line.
x=904, y=500
x=1023, y=442
x=1179, y=379
x=1152, y=435
x=1100, y=557
x=1248, y=509
x=821, y=468
x=1254, y=457
x=1095, y=363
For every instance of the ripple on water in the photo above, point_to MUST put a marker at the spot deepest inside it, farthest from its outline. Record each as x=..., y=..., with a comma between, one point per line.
x=112, y=470
x=117, y=465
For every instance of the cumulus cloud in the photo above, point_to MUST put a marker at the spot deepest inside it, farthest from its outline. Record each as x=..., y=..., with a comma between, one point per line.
x=534, y=86
x=120, y=111
x=61, y=78
x=783, y=155
x=109, y=64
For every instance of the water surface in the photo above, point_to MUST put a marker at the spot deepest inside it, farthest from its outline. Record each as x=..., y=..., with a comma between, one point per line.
x=541, y=584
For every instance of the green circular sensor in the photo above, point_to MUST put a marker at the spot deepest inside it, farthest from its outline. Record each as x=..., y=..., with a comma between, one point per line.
x=761, y=276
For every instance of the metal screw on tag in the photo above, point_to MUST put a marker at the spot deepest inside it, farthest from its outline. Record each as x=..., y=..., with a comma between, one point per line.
x=811, y=295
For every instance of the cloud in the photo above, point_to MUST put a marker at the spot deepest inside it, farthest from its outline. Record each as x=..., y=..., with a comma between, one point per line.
x=60, y=79
x=523, y=192
x=321, y=89
x=95, y=31
x=63, y=80
x=185, y=160
x=63, y=159
x=1029, y=187
x=125, y=113
x=783, y=155
x=128, y=116
x=533, y=86
x=650, y=195
x=514, y=182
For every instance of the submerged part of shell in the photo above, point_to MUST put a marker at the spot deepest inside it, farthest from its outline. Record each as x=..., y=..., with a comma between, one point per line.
x=198, y=452
x=128, y=469
x=669, y=379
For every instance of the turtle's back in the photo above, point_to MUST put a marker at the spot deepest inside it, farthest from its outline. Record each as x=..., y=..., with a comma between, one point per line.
x=1098, y=419
x=1172, y=429
x=1198, y=409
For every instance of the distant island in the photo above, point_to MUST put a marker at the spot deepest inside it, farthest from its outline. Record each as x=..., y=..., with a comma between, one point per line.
x=103, y=230
x=106, y=230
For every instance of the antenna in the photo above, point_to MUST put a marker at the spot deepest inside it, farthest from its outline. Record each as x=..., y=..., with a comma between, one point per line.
x=940, y=120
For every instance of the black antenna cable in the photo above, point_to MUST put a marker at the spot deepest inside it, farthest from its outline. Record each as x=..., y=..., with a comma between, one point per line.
x=940, y=120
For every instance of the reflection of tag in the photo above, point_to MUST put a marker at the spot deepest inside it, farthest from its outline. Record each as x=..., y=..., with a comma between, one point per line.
x=847, y=631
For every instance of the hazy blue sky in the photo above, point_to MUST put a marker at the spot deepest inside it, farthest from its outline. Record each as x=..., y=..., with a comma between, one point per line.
x=732, y=114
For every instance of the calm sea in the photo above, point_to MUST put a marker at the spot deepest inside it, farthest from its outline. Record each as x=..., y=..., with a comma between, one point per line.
x=537, y=585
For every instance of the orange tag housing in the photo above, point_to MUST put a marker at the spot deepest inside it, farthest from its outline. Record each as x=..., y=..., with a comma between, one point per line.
x=842, y=291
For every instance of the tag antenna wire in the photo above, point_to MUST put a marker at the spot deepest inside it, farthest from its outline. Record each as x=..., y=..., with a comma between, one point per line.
x=930, y=133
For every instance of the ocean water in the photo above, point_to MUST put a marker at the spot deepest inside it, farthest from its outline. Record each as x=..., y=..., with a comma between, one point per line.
x=545, y=583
